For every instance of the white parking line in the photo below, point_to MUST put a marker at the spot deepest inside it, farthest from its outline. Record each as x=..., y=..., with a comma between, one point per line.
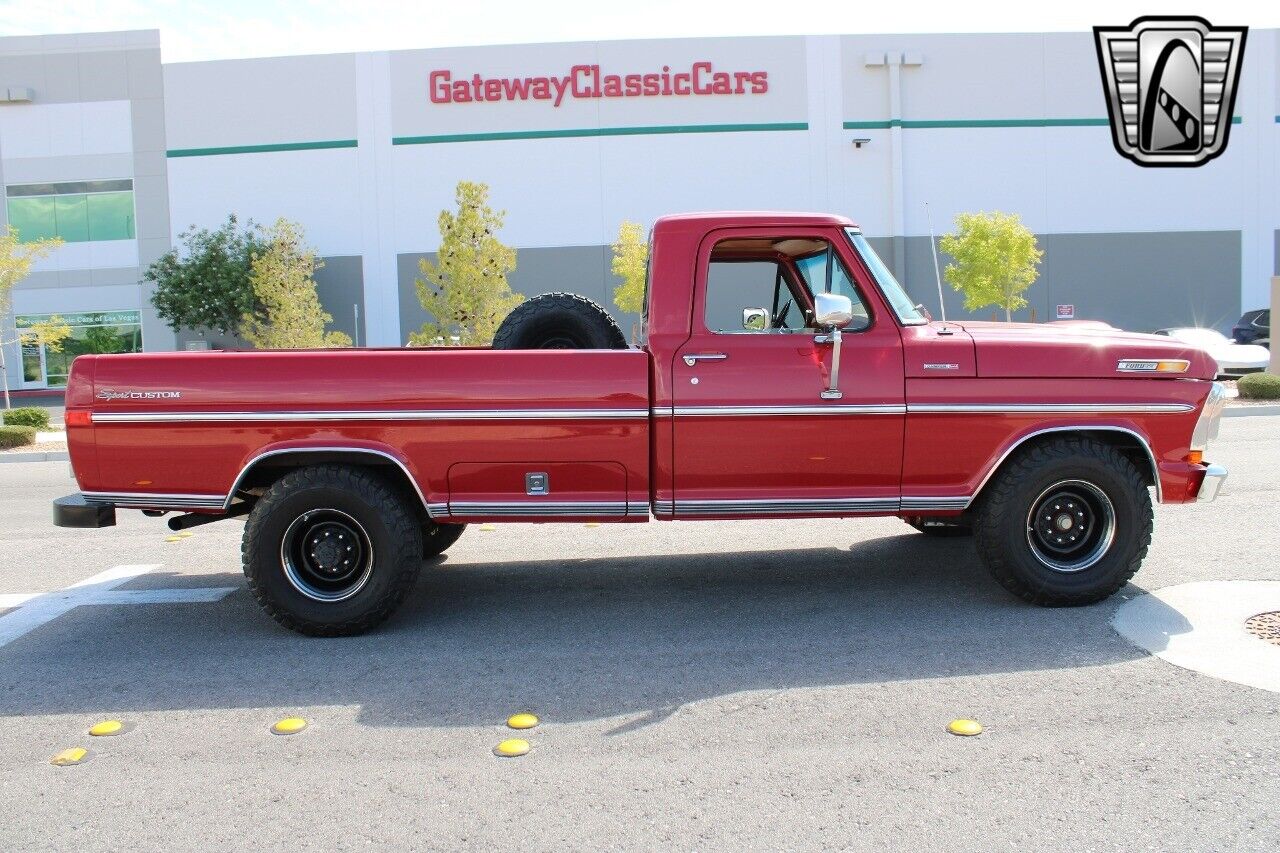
x=35, y=609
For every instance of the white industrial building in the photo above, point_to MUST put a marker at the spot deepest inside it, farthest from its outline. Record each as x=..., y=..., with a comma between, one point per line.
x=118, y=153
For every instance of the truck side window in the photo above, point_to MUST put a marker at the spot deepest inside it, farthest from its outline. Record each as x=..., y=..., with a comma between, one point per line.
x=736, y=285
x=825, y=272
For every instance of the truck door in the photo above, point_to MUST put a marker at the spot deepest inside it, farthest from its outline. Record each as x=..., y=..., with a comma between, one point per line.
x=754, y=433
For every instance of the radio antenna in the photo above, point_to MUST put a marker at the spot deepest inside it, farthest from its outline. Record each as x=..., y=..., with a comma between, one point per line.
x=937, y=271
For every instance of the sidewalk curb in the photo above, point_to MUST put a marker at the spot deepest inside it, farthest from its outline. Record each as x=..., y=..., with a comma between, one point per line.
x=46, y=456
x=1245, y=411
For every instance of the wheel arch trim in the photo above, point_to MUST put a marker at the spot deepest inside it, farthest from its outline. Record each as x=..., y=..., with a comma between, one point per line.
x=339, y=449
x=1081, y=428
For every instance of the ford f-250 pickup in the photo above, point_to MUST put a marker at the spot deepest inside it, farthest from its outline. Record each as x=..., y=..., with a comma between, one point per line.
x=779, y=370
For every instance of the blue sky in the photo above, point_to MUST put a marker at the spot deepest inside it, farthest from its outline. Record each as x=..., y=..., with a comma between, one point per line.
x=223, y=29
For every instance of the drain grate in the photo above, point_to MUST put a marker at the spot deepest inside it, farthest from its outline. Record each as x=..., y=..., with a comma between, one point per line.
x=1265, y=626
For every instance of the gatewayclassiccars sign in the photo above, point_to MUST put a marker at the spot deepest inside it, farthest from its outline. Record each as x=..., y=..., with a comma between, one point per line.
x=588, y=81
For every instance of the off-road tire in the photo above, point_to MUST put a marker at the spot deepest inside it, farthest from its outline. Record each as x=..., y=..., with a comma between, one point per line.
x=942, y=528
x=381, y=513
x=436, y=538
x=559, y=321
x=1003, y=539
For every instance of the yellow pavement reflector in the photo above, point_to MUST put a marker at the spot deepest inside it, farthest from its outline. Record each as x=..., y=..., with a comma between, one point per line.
x=184, y=534
x=488, y=527
x=522, y=721
x=67, y=757
x=965, y=728
x=173, y=538
x=107, y=728
x=592, y=524
x=289, y=725
x=511, y=748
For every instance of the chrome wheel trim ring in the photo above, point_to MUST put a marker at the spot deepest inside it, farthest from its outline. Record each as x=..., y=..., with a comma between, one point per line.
x=296, y=576
x=1097, y=510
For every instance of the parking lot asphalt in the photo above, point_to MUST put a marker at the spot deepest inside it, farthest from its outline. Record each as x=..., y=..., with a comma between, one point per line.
x=719, y=685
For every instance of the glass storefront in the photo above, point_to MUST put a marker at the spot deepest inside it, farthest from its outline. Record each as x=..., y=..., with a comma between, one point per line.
x=76, y=212
x=91, y=332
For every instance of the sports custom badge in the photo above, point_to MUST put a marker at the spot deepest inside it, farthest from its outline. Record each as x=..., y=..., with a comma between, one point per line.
x=1171, y=88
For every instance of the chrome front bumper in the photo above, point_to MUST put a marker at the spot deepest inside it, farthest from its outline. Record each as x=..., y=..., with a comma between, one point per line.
x=1214, y=477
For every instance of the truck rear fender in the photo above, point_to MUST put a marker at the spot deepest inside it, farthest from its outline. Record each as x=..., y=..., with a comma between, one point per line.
x=273, y=463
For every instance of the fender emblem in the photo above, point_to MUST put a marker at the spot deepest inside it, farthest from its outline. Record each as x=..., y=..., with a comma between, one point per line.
x=112, y=394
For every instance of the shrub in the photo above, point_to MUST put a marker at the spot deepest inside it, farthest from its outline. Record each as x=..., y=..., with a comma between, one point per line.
x=28, y=416
x=17, y=436
x=1259, y=386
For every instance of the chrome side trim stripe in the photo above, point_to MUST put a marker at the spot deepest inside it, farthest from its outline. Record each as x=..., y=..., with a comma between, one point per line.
x=146, y=500
x=375, y=415
x=1046, y=408
x=798, y=506
x=636, y=414
x=774, y=411
x=533, y=509
x=923, y=408
x=938, y=503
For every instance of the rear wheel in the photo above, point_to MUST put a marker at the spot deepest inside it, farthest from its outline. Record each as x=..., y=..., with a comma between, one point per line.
x=331, y=550
x=1068, y=522
x=559, y=321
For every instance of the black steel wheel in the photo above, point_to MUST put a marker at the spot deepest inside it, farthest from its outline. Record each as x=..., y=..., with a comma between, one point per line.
x=1064, y=522
x=332, y=550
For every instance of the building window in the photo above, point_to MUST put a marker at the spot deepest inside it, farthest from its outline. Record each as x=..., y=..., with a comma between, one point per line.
x=76, y=211
x=92, y=332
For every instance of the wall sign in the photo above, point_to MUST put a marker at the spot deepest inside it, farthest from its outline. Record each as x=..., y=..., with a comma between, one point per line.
x=1066, y=312
x=589, y=81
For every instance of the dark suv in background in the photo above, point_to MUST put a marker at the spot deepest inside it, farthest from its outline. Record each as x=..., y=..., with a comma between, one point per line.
x=1253, y=328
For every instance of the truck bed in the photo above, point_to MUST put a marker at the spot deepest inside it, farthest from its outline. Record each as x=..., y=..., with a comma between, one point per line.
x=465, y=425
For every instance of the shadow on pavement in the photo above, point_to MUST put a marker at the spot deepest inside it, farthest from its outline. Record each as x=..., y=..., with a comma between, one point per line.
x=588, y=638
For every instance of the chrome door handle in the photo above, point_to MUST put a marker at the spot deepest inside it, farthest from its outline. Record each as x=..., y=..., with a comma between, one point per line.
x=694, y=358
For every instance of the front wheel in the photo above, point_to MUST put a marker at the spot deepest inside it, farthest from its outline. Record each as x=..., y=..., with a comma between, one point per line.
x=331, y=550
x=1068, y=522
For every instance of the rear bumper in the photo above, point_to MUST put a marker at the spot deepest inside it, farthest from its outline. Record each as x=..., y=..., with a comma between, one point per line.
x=1214, y=477
x=75, y=511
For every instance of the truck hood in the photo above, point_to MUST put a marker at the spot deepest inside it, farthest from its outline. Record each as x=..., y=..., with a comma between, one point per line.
x=1022, y=350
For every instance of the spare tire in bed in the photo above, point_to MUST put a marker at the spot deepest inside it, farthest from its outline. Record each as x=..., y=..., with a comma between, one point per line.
x=559, y=321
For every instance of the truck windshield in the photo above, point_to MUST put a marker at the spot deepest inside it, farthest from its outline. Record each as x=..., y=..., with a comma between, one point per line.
x=893, y=292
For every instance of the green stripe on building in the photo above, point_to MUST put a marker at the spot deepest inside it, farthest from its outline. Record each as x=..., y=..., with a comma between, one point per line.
x=597, y=131
x=261, y=149
x=985, y=122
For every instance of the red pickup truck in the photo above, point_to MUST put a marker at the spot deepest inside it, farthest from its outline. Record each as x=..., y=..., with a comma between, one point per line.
x=779, y=370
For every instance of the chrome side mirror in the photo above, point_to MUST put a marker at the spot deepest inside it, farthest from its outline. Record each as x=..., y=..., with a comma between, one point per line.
x=755, y=319
x=831, y=310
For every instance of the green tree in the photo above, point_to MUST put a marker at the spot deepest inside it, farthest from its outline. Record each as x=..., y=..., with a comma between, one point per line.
x=995, y=260
x=289, y=314
x=466, y=291
x=16, y=258
x=205, y=283
x=47, y=333
x=630, y=263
